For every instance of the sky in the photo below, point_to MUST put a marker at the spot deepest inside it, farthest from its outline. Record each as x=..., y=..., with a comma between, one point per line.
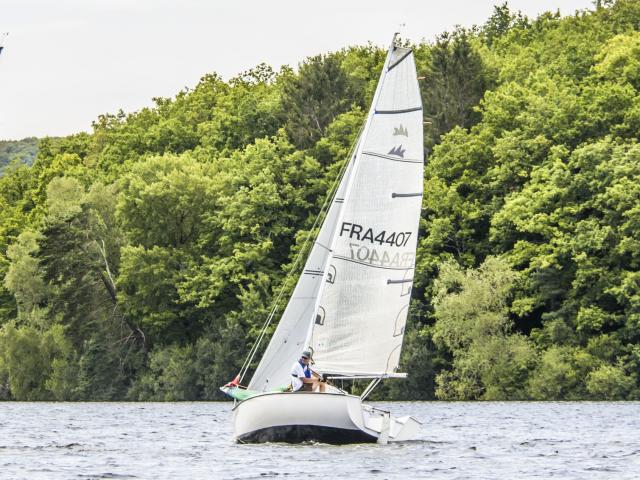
x=67, y=61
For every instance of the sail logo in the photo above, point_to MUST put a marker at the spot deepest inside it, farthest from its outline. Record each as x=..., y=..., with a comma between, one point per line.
x=398, y=151
x=401, y=321
x=401, y=130
x=331, y=274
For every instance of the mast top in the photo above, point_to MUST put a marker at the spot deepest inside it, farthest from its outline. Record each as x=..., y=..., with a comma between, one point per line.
x=394, y=41
x=396, y=36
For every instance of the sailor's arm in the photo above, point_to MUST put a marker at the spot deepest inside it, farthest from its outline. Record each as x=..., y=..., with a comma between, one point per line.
x=317, y=376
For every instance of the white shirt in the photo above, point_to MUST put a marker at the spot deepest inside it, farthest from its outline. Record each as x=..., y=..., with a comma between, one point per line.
x=297, y=374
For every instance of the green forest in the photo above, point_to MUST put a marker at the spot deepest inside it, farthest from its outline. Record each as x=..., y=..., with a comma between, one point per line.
x=17, y=151
x=139, y=261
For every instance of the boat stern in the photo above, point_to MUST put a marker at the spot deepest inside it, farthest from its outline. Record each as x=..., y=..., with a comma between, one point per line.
x=388, y=427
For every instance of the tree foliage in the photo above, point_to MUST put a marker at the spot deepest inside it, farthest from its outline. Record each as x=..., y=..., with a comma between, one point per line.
x=140, y=260
x=17, y=152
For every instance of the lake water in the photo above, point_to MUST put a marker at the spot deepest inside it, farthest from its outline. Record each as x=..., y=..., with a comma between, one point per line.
x=194, y=441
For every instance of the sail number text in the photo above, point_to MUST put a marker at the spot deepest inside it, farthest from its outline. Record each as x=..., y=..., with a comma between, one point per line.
x=357, y=232
x=370, y=255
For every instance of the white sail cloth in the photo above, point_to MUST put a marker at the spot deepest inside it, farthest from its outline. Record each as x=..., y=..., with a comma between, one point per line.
x=365, y=251
x=363, y=311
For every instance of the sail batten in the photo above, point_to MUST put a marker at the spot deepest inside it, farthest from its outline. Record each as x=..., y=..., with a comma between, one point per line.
x=399, y=60
x=397, y=112
x=346, y=259
x=392, y=158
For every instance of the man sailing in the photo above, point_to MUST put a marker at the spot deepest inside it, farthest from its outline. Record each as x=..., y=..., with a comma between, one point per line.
x=303, y=379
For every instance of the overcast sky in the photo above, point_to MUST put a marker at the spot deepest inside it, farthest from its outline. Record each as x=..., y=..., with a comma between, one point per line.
x=67, y=61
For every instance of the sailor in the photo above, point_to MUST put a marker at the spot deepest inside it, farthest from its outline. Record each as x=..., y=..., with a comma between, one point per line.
x=302, y=378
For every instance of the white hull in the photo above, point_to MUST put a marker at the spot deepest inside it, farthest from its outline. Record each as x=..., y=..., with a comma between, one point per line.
x=323, y=417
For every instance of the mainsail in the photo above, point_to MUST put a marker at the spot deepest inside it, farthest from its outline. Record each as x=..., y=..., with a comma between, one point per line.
x=351, y=302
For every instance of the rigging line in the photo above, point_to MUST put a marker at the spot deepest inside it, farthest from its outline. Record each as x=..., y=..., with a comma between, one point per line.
x=322, y=213
x=323, y=246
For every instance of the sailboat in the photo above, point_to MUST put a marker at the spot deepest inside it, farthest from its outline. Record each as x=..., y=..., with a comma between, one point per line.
x=351, y=301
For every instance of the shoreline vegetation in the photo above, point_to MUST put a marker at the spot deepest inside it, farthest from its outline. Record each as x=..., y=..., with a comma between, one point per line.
x=17, y=152
x=138, y=262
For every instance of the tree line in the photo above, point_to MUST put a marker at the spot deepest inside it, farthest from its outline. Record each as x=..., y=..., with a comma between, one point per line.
x=139, y=261
x=17, y=151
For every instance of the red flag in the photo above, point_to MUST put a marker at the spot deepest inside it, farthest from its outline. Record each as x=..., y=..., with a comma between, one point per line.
x=234, y=383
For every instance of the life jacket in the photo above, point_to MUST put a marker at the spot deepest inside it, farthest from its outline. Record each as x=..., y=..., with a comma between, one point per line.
x=305, y=369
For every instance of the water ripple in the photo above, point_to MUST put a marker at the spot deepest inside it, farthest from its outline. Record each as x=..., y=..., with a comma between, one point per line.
x=486, y=440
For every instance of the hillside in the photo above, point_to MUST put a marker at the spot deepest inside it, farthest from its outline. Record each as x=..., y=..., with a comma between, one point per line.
x=140, y=260
x=23, y=151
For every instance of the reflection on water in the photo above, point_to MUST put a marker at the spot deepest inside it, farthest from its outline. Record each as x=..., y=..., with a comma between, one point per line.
x=193, y=440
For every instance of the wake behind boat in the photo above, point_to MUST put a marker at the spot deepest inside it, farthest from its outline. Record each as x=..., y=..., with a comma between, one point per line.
x=351, y=301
